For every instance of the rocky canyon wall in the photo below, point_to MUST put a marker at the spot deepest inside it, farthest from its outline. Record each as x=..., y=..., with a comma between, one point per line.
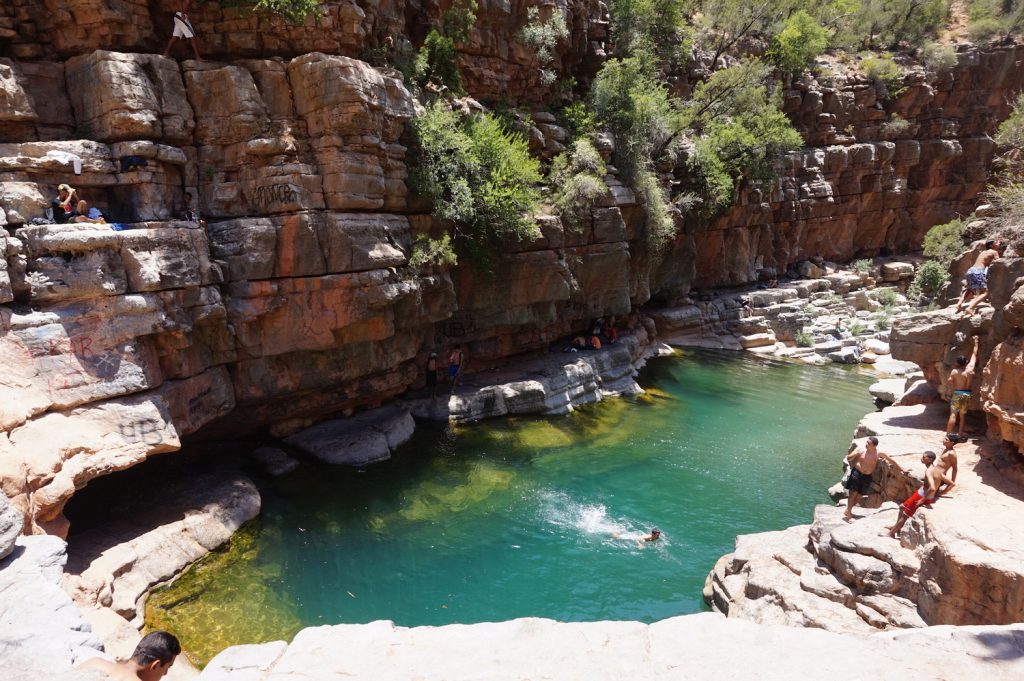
x=296, y=301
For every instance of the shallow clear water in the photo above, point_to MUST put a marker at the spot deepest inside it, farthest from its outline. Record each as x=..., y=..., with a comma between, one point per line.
x=535, y=517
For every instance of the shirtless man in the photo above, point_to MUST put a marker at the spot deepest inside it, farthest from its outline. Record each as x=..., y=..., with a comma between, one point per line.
x=935, y=484
x=655, y=535
x=960, y=380
x=456, y=359
x=976, y=286
x=947, y=459
x=862, y=464
x=152, y=659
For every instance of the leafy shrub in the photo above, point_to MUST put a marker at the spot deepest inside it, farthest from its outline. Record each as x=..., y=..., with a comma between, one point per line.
x=577, y=176
x=801, y=39
x=433, y=252
x=938, y=57
x=872, y=24
x=543, y=36
x=995, y=18
x=885, y=73
x=863, y=266
x=295, y=11
x=930, y=278
x=458, y=20
x=657, y=28
x=857, y=328
x=945, y=242
x=579, y=119
x=478, y=175
x=742, y=129
x=804, y=339
x=895, y=126
x=641, y=116
x=883, y=322
x=887, y=297
x=437, y=63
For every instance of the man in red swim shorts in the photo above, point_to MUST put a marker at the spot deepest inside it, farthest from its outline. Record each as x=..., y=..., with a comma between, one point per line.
x=935, y=483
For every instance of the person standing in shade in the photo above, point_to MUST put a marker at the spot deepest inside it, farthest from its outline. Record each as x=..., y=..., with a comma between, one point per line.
x=935, y=483
x=431, y=374
x=960, y=380
x=455, y=361
x=183, y=29
x=151, y=660
x=863, y=462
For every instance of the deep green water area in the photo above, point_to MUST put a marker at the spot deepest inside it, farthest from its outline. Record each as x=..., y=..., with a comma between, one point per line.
x=534, y=517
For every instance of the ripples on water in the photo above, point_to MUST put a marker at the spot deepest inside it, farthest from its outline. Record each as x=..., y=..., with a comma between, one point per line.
x=535, y=517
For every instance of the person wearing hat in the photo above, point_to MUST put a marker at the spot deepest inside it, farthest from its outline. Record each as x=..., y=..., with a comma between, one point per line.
x=432, y=373
x=64, y=204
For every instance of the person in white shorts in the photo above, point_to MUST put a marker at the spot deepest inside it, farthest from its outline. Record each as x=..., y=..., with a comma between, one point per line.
x=183, y=29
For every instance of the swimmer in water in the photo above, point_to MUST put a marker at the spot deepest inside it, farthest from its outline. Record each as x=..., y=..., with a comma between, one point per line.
x=655, y=535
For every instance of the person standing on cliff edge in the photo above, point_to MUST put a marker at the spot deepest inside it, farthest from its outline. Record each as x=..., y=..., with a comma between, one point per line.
x=960, y=380
x=151, y=660
x=862, y=467
x=183, y=29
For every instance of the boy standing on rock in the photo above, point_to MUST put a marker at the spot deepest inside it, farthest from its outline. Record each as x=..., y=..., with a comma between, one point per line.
x=862, y=467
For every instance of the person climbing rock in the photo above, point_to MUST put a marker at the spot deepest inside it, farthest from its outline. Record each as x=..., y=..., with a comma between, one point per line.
x=863, y=462
x=976, y=282
x=960, y=380
x=151, y=660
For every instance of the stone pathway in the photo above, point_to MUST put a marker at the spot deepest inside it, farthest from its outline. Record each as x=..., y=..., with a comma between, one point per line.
x=961, y=562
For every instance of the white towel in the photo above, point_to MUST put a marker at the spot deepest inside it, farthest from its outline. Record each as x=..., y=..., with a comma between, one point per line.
x=67, y=157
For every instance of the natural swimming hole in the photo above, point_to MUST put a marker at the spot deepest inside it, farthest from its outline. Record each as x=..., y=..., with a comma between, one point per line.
x=534, y=517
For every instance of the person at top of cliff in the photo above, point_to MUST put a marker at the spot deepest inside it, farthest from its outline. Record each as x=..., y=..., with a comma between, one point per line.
x=960, y=380
x=863, y=462
x=976, y=282
x=151, y=660
x=86, y=214
x=183, y=29
x=456, y=359
x=935, y=484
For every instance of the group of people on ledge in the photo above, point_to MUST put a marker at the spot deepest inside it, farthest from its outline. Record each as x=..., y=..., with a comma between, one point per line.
x=601, y=332
x=456, y=363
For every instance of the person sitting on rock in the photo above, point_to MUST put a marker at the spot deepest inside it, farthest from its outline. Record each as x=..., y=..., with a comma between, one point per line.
x=578, y=343
x=976, y=281
x=64, y=204
x=862, y=469
x=85, y=214
x=183, y=29
x=960, y=380
x=150, y=661
x=595, y=342
x=190, y=213
x=935, y=484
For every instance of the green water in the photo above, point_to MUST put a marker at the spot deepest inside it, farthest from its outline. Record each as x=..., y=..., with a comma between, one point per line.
x=535, y=517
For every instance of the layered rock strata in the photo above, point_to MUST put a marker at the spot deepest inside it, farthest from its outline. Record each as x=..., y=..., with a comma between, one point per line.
x=957, y=563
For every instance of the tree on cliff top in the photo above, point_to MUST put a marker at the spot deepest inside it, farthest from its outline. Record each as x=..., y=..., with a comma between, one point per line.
x=478, y=175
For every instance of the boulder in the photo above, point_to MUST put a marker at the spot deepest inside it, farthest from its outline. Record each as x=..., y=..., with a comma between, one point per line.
x=888, y=390
x=897, y=271
x=12, y=523
x=365, y=438
x=274, y=462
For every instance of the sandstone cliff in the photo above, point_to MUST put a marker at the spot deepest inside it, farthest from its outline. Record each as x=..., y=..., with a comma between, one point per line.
x=296, y=301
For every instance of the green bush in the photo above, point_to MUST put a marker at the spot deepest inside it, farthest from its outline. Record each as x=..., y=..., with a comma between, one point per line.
x=804, y=339
x=478, y=175
x=857, y=328
x=577, y=176
x=885, y=73
x=433, y=252
x=995, y=18
x=801, y=39
x=543, y=36
x=873, y=24
x=945, y=242
x=580, y=120
x=294, y=11
x=938, y=57
x=658, y=28
x=863, y=266
x=930, y=278
x=883, y=322
x=661, y=226
x=887, y=297
x=437, y=63
x=895, y=126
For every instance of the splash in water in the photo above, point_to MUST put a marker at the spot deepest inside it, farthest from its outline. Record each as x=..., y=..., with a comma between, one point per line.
x=590, y=522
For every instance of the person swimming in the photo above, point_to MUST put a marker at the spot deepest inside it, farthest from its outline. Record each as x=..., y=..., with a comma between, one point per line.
x=655, y=535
